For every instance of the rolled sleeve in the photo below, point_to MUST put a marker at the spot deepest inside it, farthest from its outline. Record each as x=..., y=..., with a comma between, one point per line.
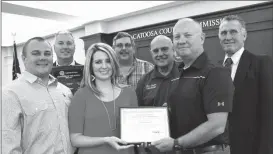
x=76, y=112
x=218, y=91
x=11, y=123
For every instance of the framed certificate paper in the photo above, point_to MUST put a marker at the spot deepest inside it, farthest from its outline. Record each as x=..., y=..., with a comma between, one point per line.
x=144, y=124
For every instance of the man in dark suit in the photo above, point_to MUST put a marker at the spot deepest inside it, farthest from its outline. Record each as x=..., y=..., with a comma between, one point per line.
x=250, y=123
x=64, y=47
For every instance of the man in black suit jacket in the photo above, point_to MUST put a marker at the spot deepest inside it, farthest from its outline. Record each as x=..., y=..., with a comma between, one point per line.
x=64, y=47
x=250, y=123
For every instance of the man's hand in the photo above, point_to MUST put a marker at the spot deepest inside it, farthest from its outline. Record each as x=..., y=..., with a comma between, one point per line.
x=164, y=145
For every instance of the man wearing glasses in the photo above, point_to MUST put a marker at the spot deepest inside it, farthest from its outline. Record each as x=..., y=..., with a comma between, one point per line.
x=131, y=68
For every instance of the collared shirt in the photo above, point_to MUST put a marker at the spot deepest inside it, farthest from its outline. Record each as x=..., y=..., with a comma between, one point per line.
x=138, y=69
x=203, y=89
x=154, y=88
x=34, y=116
x=235, y=59
x=72, y=64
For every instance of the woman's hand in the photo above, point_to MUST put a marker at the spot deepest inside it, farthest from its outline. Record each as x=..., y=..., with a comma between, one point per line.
x=117, y=143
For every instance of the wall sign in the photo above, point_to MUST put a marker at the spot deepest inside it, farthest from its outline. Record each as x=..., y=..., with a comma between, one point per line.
x=169, y=30
x=153, y=33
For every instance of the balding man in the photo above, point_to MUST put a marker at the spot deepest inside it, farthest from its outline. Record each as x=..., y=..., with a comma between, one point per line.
x=200, y=104
x=154, y=88
x=64, y=47
x=35, y=106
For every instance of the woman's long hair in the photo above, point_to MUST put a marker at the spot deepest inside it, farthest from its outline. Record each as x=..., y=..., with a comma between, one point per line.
x=88, y=66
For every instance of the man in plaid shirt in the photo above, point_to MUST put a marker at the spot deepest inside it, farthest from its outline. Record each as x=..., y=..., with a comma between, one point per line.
x=131, y=68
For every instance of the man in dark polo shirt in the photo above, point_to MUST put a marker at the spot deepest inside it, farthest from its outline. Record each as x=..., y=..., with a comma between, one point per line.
x=200, y=104
x=154, y=88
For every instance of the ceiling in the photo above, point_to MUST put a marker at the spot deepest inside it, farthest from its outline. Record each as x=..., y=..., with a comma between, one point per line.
x=26, y=19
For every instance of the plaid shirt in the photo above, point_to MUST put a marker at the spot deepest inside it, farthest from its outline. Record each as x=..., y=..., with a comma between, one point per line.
x=138, y=69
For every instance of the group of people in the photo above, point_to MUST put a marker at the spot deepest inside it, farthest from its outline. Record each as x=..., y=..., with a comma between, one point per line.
x=213, y=108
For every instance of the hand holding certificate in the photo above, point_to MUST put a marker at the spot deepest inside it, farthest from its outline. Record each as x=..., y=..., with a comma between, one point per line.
x=144, y=124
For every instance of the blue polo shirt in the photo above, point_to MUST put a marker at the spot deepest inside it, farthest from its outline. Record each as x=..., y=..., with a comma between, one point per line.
x=153, y=88
x=203, y=88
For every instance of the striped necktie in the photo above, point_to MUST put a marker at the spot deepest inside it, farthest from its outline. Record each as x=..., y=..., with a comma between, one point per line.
x=228, y=64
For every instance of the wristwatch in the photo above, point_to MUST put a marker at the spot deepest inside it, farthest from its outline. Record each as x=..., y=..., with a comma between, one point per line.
x=176, y=145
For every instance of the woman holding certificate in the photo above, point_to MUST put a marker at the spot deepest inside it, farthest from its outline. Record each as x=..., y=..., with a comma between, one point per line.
x=93, y=113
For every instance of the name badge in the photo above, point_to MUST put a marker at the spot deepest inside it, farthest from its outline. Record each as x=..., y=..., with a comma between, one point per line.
x=152, y=86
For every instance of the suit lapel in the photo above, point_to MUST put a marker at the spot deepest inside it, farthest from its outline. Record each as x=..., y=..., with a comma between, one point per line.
x=242, y=69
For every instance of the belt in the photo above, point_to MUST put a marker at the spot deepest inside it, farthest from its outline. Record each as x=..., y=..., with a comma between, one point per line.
x=210, y=148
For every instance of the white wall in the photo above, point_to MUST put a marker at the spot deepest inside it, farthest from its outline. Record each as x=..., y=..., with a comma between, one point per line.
x=7, y=59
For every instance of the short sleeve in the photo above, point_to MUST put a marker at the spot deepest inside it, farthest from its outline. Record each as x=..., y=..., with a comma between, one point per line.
x=218, y=91
x=76, y=112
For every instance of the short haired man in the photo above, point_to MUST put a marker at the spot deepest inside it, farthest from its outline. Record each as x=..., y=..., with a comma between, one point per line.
x=64, y=47
x=131, y=68
x=154, y=88
x=34, y=115
x=250, y=123
x=200, y=104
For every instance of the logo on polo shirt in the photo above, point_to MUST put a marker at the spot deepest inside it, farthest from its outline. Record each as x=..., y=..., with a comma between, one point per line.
x=195, y=77
x=152, y=86
x=221, y=104
x=175, y=79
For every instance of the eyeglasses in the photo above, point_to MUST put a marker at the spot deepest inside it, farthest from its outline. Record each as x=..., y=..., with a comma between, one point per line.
x=127, y=45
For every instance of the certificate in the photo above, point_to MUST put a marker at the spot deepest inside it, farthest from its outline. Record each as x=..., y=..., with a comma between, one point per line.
x=144, y=124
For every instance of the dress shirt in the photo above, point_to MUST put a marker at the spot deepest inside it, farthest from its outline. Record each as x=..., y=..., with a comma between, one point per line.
x=34, y=116
x=235, y=59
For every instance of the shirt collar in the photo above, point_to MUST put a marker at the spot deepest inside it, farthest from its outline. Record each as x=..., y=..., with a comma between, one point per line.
x=236, y=56
x=200, y=61
x=33, y=78
x=174, y=72
x=72, y=64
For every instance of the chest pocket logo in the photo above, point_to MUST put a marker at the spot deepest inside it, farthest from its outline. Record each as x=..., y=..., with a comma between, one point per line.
x=152, y=86
x=221, y=104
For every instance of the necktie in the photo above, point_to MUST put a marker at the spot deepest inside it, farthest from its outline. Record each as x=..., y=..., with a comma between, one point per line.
x=228, y=64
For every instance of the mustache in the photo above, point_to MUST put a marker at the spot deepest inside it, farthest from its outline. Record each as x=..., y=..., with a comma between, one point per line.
x=124, y=51
x=66, y=50
x=161, y=57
